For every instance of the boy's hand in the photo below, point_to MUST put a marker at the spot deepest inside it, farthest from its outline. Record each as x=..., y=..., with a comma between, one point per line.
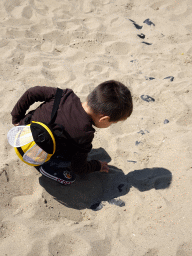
x=104, y=167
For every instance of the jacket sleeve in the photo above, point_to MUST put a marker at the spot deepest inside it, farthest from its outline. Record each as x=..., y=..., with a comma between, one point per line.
x=32, y=95
x=81, y=166
x=79, y=163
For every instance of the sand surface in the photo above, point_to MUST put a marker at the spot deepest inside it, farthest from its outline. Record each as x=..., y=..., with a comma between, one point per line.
x=146, y=207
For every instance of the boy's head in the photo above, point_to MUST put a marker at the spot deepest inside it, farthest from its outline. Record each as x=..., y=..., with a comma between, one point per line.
x=110, y=102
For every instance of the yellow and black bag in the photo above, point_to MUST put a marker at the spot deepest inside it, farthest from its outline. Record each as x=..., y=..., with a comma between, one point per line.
x=35, y=143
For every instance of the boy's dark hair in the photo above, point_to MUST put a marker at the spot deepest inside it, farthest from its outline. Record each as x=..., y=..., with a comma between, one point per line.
x=112, y=99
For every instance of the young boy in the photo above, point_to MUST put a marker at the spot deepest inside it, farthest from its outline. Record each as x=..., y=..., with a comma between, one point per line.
x=108, y=103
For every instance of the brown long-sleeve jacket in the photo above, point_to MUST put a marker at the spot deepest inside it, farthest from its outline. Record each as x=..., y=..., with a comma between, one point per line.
x=71, y=115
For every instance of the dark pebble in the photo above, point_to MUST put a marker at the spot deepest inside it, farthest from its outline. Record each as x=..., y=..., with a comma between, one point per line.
x=133, y=61
x=166, y=121
x=137, y=143
x=141, y=36
x=142, y=132
x=148, y=22
x=147, y=98
x=170, y=77
x=149, y=78
x=146, y=43
x=131, y=161
x=136, y=25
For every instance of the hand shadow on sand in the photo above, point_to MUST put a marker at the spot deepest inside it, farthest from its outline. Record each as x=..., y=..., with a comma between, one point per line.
x=96, y=187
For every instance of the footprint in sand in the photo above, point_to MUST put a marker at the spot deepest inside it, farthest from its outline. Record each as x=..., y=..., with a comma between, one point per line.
x=10, y=5
x=37, y=248
x=101, y=247
x=118, y=48
x=159, y=4
x=12, y=173
x=185, y=249
x=61, y=243
x=56, y=37
x=66, y=244
x=4, y=229
x=61, y=74
x=27, y=12
x=151, y=252
x=92, y=69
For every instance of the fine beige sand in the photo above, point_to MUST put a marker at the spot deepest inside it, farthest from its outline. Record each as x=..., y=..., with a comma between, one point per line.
x=145, y=200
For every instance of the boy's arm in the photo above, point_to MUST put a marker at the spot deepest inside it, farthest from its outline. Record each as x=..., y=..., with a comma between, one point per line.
x=79, y=163
x=32, y=95
x=81, y=166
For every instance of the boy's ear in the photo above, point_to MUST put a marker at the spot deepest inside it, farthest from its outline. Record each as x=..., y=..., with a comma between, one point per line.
x=104, y=119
